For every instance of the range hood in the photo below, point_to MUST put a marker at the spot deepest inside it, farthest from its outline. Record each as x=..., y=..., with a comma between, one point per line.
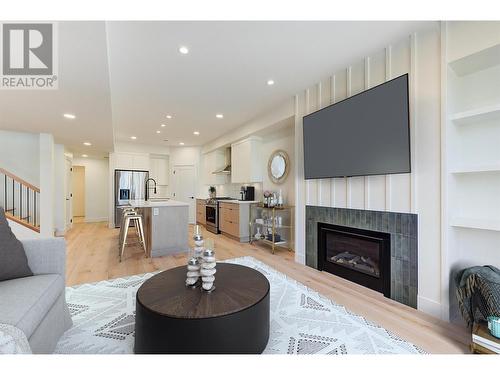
x=227, y=167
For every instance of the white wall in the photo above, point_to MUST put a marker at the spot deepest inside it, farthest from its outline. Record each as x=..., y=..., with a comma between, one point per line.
x=281, y=139
x=32, y=158
x=47, y=185
x=96, y=188
x=59, y=190
x=19, y=154
x=21, y=232
x=418, y=192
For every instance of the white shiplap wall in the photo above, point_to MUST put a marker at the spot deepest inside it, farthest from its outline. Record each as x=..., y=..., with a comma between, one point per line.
x=390, y=192
x=398, y=192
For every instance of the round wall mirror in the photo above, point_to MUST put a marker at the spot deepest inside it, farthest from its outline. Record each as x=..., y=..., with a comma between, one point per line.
x=278, y=166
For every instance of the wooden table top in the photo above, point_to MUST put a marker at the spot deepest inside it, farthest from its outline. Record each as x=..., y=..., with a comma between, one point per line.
x=236, y=288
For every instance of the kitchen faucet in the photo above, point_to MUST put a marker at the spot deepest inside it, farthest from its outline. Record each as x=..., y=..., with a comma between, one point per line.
x=147, y=187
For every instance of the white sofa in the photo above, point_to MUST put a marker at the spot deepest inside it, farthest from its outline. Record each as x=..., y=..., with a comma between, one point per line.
x=37, y=304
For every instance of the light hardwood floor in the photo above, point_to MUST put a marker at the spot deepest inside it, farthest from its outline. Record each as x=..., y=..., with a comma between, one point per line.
x=93, y=256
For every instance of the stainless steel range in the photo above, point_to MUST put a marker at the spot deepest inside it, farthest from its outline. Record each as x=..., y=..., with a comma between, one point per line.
x=212, y=213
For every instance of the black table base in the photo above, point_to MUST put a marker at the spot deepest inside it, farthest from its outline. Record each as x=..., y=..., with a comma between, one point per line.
x=243, y=332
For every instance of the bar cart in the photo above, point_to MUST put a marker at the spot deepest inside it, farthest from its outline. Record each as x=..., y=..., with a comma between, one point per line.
x=273, y=226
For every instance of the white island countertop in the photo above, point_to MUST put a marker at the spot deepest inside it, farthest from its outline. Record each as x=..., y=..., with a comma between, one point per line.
x=141, y=203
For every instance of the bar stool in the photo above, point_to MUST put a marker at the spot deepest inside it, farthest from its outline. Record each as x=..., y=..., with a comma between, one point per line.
x=131, y=216
x=124, y=211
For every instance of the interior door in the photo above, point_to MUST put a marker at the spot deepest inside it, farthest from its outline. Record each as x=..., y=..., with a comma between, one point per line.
x=184, y=178
x=68, y=193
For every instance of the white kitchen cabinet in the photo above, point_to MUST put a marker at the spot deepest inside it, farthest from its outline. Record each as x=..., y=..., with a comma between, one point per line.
x=213, y=161
x=141, y=162
x=159, y=169
x=123, y=161
x=246, y=161
x=133, y=161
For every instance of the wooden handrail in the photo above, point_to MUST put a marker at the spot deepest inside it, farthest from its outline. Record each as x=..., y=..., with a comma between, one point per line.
x=20, y=180
x=9, y=216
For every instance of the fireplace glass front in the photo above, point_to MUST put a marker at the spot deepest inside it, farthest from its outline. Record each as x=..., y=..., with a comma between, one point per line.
x=355, y=254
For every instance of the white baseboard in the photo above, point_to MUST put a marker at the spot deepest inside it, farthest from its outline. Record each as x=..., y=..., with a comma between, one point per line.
x=429, y=306
x=95, y=219
x=299, y=258
x=60, y=232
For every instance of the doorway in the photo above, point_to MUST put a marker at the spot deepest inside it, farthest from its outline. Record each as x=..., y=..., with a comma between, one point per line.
x=78, y=194
x=184, y=178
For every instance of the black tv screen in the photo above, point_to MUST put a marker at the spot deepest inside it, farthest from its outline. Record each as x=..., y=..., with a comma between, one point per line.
x=366, y=134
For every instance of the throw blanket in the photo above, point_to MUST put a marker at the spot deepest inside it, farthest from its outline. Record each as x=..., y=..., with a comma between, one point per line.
x=13, y=340
x=478, y=288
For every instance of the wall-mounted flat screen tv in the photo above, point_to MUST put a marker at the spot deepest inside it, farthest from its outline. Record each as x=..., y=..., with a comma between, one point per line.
x=365, y=134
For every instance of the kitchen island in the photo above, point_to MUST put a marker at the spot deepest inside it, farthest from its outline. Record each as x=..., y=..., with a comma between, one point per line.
x=165, y=226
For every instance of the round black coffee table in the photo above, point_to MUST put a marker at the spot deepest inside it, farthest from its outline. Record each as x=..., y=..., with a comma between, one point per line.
x=233, y=319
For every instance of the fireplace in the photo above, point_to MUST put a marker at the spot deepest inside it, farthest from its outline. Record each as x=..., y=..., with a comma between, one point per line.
x=359, y=255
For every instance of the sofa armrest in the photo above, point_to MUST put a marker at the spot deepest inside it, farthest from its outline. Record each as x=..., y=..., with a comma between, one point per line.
x=46, y=255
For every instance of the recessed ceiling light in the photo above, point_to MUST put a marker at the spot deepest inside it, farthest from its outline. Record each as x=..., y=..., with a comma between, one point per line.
x=181, y=143
x=70, y=116
x=85, y=156
x=270, y=82
x=196, y=133
x=184, y=50
x=169, y=116
x=133, y=137
x=219, y=115
x=158, y=132
x=163, y=125
x=87, y=143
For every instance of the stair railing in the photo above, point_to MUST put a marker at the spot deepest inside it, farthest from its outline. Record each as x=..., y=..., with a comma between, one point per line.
x=20, y=200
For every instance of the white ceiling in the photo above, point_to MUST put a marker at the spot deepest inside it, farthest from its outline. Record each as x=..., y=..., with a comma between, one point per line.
x=121, y=79
x=83, y=90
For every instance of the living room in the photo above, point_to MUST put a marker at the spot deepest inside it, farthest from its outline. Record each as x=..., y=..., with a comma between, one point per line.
x=247, y=177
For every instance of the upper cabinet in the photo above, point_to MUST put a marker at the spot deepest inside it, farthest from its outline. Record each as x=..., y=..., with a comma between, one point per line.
x=246, y=161
x=126, y=160
x=213, y=161
x=159, y=169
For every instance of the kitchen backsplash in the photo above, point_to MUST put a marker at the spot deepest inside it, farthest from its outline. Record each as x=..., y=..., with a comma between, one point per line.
x=233, y=190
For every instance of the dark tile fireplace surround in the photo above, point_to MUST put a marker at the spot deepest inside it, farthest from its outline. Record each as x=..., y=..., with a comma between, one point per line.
x=372, y=248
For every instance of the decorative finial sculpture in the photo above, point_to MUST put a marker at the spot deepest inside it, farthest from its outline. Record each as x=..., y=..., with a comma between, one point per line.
x=193, y=273
x=201, y=263
x=194, y=263
x=208, y=270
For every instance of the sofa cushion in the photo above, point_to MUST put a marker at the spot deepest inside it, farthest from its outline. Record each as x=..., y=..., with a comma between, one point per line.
x=13, y=261
x=26, y=301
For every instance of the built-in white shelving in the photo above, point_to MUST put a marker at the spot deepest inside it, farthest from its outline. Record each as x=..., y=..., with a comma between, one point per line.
x=477, y=61
x=471, y=150
x=478, y=168
x=487, y=113
x=473, y=223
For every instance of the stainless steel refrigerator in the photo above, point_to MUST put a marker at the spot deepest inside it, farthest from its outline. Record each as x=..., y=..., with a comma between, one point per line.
x=129, y=185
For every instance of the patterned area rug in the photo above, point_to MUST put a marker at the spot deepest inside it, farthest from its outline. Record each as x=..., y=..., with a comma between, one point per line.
x=302, y=321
